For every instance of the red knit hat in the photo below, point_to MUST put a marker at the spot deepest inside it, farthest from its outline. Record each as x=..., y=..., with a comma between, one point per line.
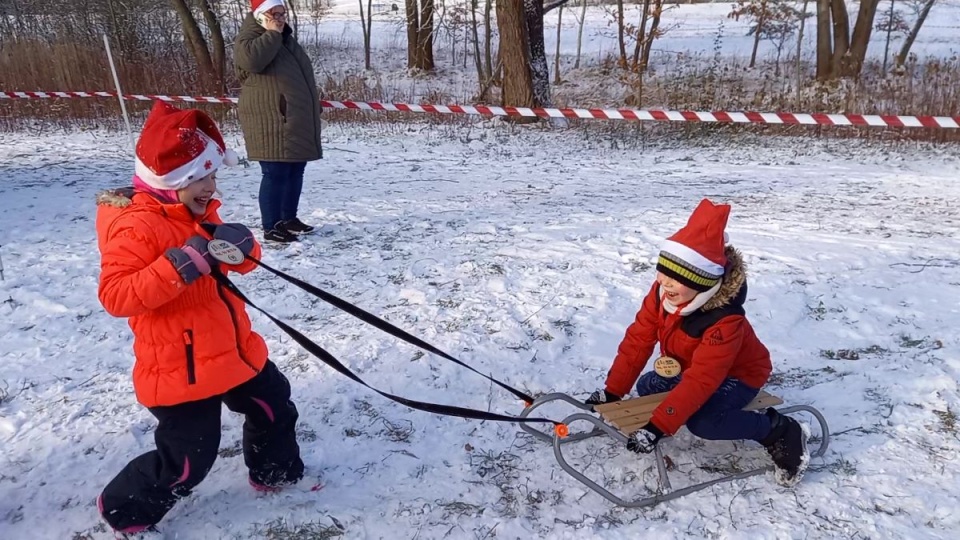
x=695, y=255
x=178, y=147
x=259, y=6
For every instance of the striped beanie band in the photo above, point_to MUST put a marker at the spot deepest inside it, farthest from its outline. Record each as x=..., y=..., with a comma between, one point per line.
x=695, y=256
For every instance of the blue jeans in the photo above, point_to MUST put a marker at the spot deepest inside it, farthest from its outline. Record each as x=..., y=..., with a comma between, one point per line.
x=280, y=191
x=722, y=417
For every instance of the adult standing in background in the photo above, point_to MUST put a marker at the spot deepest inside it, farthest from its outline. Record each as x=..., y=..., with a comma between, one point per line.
x=279, y=114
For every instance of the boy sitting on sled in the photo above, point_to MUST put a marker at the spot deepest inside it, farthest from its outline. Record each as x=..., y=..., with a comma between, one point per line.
x=711, y=361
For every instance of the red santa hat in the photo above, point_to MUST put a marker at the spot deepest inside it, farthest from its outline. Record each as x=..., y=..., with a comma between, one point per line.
x=178, y=147
x=260, y=6
x=695, y=255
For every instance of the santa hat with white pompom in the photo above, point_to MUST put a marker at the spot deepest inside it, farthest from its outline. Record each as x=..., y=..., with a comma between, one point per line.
x=178, y=147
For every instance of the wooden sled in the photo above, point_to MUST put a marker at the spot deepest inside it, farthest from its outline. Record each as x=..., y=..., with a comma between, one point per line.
x=619, y=419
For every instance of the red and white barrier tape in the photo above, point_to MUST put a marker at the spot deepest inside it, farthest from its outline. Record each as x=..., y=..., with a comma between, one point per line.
x=947, y=122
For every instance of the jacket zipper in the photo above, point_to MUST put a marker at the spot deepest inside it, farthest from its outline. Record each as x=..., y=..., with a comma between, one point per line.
x=191, y=367
x=236, y=327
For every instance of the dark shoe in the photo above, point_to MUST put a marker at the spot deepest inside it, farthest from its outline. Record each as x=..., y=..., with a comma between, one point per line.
x=787, y=445
x=279, y=235
x=297, y=227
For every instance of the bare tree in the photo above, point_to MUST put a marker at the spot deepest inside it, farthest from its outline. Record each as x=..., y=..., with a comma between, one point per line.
x=197, y=44
x=526, y=76
x=218, y=45
x=912, y=36
x=824, y=41
x=556, y=56
x=539, y=68
x=621, y=42
x=861, y=38
x=475, y=32
x=758, y=11
x=488, y=39
x=773, y=20
x=844, y=55
x=515, y=55
x=366, y=23
x=318, y=9
x=583, y=16
x=803, y=20
x=420, y=34
x=652, y=33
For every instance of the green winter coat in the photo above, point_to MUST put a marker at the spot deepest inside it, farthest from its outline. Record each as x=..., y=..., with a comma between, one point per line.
x=279, y=101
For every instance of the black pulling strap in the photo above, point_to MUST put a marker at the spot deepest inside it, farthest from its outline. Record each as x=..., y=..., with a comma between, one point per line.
x=383, y=325
x=332, y=361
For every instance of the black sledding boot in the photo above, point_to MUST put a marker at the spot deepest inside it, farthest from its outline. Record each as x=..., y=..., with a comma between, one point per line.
x=787, y=445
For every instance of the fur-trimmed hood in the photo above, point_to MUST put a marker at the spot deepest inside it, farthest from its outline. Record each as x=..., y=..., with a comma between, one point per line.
x=733, y=290
x=117, y=198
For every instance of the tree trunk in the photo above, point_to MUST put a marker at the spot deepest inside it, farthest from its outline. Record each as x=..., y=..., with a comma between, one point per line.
x=803, y=20
x=197, y=43
x=824, y=40
x=841, y=35
x=556, y=57
x=420, y=34
x=583, y=16
x=861, y=38
x=413, y=27
x=514, y=55
x=620, y=37
x=761, y=21
x=886, y=45
x=641, y=34
x=654, y=26
x=912, y=36
x=488, y=39
x=475, y=33
x=366, y=22
x=217, y=42
x=539, y=68
x=425, y=41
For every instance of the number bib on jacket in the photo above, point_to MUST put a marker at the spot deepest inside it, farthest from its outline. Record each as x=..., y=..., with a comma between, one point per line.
x=666, y=367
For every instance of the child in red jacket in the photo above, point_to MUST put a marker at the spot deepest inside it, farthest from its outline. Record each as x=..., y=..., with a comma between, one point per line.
x=711, y=361
x=194, y=345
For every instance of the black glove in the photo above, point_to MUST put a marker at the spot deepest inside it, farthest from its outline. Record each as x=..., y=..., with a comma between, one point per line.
x=645, y=439
x=601, y=396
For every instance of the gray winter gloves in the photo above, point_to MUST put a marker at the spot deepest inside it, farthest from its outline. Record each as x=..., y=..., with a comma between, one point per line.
x=193, y=258
x=237, y=234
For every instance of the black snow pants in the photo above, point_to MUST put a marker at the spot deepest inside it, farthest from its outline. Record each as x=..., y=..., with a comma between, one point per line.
x=188, y=440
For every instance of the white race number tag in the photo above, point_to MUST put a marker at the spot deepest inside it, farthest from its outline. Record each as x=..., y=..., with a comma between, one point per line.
x=225, y=252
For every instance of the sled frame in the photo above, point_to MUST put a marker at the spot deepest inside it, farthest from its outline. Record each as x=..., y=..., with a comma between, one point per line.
x=644, y=406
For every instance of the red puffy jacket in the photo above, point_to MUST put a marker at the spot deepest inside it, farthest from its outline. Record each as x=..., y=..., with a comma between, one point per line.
x=192, y=341
x=712, y=343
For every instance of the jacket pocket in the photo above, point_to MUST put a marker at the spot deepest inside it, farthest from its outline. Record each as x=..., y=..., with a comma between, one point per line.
x=191, y=367
x=283, y=108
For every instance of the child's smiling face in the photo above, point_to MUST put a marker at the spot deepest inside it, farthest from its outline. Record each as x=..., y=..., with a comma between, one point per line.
x=198, y=194
x=677, y=293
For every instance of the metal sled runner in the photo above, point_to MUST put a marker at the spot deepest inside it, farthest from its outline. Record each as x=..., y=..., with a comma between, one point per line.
x=619, y=419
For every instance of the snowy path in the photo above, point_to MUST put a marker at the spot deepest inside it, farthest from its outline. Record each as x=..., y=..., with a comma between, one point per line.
x=526, y=256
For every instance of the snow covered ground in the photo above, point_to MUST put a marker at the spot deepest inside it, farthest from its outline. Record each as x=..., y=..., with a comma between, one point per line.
x=525, y=253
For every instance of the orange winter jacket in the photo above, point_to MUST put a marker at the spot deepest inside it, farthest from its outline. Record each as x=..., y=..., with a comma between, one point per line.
x=711, y=343
x=190, y=341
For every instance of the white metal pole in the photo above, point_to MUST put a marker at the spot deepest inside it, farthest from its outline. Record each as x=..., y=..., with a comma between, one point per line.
x=116, y=81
